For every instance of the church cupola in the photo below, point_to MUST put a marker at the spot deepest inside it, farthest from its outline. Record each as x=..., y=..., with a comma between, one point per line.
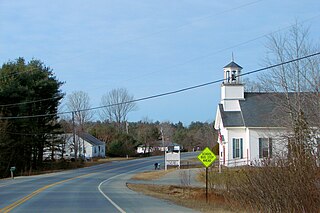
x=232, y=73
x=232, y=89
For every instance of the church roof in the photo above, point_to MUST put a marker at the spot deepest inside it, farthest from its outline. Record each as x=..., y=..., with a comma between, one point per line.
x=262, y=110
x=90, y=139
x=231, y=118
x=233, y=64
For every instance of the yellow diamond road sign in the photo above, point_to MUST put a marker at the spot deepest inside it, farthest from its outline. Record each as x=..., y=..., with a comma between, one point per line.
x=207, y=157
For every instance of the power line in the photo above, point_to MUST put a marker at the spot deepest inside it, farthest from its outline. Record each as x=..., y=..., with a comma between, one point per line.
x=221, y=50
x=139, y=38
x=198, y=19
x=31, y=134
x=194, y=21
x=280, y=64
x=16, y=73
x=193, y=59
x=29, y=102
x=166, y=93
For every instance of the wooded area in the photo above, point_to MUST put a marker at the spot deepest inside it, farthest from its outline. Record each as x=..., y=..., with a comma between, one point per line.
x=31, y=125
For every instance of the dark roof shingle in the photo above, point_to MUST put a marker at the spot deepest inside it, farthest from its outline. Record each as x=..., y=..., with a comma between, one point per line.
x=231, y=118
x=268, y=110
x=91, y=139
x=261, y=110
x=257, y=110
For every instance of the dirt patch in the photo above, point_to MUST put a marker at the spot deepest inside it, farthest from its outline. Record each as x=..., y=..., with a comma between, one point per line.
x=185, y=196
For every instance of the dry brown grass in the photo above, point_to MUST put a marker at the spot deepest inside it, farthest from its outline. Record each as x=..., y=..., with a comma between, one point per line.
x=114, y=159
x=98, y=161
x=151, y=175
x=185, y=196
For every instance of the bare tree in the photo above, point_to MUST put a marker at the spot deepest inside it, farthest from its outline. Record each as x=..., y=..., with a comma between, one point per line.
x=290, y=184
x=78, y=102
x=205, y=135
x=147, y=134
x=118, y=103
x=168, y=131
x=252, y=86
x=298, y=81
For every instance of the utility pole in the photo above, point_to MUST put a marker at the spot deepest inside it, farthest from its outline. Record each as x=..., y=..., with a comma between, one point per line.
x=74, y=138
x=127, y=127
x=164, y=149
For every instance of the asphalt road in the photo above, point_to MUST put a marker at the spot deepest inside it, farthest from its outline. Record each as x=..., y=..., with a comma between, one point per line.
x=100, y=188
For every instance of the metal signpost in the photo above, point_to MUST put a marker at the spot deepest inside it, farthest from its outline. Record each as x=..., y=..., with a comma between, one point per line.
x=12, y=169
x=207, y=158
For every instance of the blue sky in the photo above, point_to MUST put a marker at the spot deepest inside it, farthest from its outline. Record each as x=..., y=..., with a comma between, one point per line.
x=148, y=47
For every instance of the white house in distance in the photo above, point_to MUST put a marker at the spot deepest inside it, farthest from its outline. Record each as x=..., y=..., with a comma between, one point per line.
x=158, y=146
x=89, y=146
x=248, y=123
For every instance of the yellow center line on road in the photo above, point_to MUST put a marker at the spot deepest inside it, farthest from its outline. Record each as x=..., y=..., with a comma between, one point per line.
x=28, y=197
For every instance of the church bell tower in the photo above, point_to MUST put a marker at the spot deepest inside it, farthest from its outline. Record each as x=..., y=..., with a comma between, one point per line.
x=232, y=89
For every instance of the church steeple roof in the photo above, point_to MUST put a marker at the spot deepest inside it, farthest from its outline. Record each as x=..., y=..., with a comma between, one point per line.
x=233, y=64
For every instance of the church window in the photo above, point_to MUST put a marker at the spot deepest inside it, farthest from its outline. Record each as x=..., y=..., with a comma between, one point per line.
x=265, y=147
x=237, y=146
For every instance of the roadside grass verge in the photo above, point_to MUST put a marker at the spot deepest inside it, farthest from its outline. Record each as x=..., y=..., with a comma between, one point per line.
x=62, y=165
x=151, y=175
x=189, y=197
x=221, y=180
x=183, y=194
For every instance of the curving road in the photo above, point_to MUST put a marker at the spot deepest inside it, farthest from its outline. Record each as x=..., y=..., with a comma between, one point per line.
x=100, y=188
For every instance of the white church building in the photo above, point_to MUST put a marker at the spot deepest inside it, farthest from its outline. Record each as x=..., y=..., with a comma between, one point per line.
x=248, y=123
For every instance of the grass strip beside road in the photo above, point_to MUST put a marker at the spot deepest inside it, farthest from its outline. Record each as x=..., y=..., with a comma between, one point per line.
x=28, y=197
x=190, y=197
x=151, y=175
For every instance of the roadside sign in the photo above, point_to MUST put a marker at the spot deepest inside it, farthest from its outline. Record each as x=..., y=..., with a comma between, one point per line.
x=207, y=157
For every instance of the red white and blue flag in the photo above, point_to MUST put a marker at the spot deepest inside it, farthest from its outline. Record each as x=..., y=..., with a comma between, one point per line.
x=220, y=137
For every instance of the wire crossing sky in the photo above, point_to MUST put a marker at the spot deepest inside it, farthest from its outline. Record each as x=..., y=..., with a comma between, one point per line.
x=148, y=47
x=167, y=93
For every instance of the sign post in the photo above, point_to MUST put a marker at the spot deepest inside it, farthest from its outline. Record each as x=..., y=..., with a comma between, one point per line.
x=207, y=158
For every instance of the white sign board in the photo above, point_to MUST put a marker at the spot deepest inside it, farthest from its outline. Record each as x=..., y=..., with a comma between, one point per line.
x=172, y=159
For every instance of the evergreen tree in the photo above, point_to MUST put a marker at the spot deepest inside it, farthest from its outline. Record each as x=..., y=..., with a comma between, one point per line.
x=27, y=89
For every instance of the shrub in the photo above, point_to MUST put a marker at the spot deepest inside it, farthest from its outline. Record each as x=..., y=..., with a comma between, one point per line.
x=277, y=188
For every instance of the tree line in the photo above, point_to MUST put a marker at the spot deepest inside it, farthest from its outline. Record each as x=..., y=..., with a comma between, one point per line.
x=31, y=125
x=152, y=134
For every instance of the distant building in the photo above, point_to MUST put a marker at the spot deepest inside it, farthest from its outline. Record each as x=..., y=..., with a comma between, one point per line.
x=89, y=146
x=158, y=146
